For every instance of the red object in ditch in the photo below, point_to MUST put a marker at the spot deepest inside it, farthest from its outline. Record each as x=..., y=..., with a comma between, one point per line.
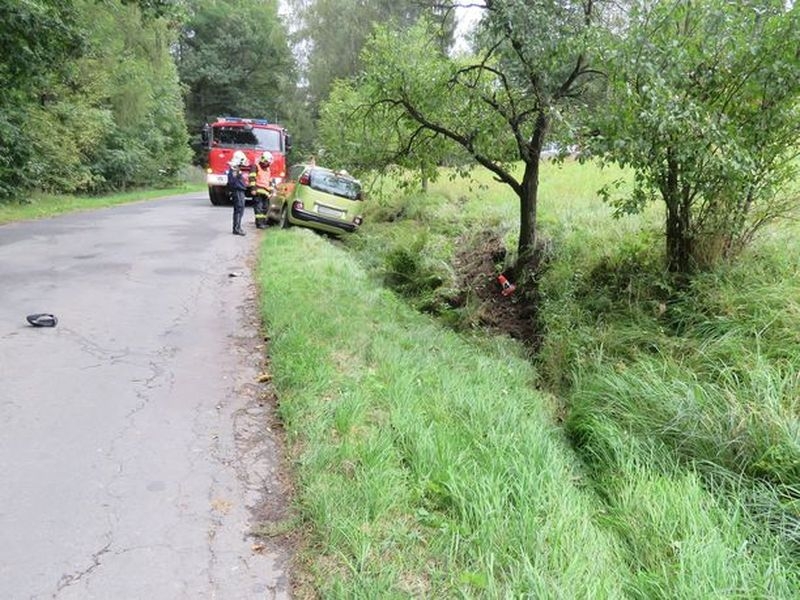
x=507, y=287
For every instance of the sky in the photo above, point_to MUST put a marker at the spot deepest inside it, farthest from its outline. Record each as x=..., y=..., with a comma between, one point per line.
x=468, y=13
x=466, y=17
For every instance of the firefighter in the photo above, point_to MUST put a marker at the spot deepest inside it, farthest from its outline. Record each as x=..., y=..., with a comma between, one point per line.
x=237, y=184
x=263, y=189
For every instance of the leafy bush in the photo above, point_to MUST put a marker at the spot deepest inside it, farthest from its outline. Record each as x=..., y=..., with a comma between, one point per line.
x=105, y=115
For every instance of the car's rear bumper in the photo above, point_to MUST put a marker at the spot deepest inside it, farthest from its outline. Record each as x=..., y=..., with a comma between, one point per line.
x=311, y=219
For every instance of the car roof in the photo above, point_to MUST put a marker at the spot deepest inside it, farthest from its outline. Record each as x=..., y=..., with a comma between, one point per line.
x=339, y=173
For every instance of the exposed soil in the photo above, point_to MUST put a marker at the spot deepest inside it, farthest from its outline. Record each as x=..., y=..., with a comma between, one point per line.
x=478, y=263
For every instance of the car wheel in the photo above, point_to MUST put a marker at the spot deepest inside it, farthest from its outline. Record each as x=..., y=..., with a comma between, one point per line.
x=270, y=212
x=285, y=217
x=218, y=196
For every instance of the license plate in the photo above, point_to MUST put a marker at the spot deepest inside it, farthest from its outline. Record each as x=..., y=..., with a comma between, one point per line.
x=216, y=179
x=329, y=212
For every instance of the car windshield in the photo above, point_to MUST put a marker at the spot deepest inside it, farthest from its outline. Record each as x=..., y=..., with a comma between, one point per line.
x=338, y=185
x=240, y=137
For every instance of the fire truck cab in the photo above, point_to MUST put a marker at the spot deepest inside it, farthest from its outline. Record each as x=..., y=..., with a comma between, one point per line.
x=252, y=136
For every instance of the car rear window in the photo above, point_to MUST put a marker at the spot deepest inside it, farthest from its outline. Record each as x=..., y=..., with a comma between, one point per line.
x=338, y=185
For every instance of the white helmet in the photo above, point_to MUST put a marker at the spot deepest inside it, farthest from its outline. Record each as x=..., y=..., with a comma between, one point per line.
x=239, y=159
x=266, y=157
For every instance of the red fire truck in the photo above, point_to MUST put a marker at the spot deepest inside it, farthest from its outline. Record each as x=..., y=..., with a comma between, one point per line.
x=252, y=136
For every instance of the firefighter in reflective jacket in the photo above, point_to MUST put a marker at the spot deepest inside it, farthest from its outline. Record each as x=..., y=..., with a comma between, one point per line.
x=261, y=181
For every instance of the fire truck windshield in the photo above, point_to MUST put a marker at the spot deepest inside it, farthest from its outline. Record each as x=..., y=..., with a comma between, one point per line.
x=239, y=137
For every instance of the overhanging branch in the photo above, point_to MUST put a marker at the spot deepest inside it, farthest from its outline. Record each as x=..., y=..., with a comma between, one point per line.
x=465, y=142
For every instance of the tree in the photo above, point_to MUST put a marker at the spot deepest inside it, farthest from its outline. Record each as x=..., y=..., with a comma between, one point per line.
x=91, y=99
x=499, y=105
x=328, y=37
x=234, y=59
x=365, y=136
x=112, y=118
x=704, y=106
x=37, y=38
x=332, y=33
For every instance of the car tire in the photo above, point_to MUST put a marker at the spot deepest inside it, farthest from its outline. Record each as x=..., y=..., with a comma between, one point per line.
x=218, y=196
x=271, y=215
x=284, y=222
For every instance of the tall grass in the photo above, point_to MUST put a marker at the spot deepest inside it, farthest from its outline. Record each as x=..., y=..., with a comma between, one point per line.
x=428, y=468
x=704, y=377
x=428, y=464
x=702, y=380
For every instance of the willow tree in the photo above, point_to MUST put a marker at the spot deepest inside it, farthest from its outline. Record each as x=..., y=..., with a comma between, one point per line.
x=532, y=62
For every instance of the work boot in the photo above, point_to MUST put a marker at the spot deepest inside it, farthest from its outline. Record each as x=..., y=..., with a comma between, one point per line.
x=239, y=232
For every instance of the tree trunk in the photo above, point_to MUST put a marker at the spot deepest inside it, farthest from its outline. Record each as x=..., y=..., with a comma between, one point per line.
x=528, y=201
x=529, y=194
x=679, y=247
x=678, y=234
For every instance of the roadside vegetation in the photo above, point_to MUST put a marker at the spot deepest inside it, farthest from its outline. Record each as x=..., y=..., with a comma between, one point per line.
x=102, y=96
x=646, y=446
x=91, y=101
x=625, y=424
x=42, y=206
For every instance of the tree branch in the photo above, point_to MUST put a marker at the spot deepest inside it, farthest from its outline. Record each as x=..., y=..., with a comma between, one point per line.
x=465, y=142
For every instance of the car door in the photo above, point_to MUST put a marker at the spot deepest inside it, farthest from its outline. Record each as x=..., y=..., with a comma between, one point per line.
x=285, y=190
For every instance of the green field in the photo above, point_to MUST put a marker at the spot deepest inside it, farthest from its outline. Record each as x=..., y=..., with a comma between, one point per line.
x=650, y=448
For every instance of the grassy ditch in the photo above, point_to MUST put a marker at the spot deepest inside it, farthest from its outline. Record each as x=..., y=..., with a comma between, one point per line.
x=708, y=374
x=429, y=464
x=41, y=206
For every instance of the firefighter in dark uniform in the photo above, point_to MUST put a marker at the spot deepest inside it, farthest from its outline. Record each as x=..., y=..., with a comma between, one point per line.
x=261, y=182
x=237, y=184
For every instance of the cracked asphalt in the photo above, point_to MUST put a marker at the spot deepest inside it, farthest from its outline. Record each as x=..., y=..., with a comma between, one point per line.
x=138, y=450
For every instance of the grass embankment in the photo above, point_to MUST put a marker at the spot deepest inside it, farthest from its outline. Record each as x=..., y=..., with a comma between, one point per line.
x=659, y=381
x=429, y=465
x=426, y=465
x=40, y=206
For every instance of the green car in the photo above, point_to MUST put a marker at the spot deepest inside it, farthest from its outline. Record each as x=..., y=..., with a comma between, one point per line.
x=318, y=198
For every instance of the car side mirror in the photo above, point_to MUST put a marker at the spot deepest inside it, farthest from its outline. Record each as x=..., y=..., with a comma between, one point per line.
x=288, y=143
x=205, y=134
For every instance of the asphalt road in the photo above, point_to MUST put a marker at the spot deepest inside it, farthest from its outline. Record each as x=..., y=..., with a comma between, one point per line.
x=136, y=447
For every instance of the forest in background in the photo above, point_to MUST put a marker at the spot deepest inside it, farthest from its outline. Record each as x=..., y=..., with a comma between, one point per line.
x=107, y=95
x=699, y=100
x=92, y=101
